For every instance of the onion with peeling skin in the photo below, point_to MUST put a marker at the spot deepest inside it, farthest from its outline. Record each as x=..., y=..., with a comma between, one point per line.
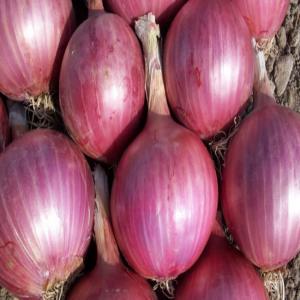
x=4, y=127
x=110, y=279
x=46, y=212
x=34, y=35
x=221, y=273
x=164, y=195
x=208, y=65
x=102, y=85
x=263, y=17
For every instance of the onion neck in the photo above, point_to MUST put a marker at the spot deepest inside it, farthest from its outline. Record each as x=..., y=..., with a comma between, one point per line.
x=95, y=7
x=107, y=248
x=148, y=32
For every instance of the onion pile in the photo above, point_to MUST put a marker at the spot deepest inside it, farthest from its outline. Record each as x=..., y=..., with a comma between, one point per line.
x=110, y=279
x=4, y=127
x=34, y=35
x=221, y=273
x=208, y=65
x=263, y=17
x=102, y=86
x=46, y=212
x=164, y=194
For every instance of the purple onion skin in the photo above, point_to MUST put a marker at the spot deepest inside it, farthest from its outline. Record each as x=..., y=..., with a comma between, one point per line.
x=102, y=86
x=164, y=200
x=130, y=10
x=221, y=273
x=4, y=127
x=46, y=212
x=263, y=17
x=260, y=191
x=208, y=65
x=34, y=35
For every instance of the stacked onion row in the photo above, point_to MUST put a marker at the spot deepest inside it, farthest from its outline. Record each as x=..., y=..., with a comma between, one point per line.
x=161, y=208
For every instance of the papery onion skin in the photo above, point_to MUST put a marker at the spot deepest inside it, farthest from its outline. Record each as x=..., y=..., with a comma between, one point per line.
x=130, y=10
x=261, y=186
x=34, y=35
x=221, y=273
x=102, y=86
x=4, y=127
x=208, y=65
x=46, y=211
x=263, y=17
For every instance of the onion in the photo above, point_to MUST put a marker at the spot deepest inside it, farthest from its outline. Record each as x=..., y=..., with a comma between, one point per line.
x=263, y=17
x=46, y=212
x=102, y=86
x=130, y=10
x=110, y=279
x=34, y=35
x=221, y=273
x=261, y=184
x=164, y=195
x=208, y=65
x=4, y=127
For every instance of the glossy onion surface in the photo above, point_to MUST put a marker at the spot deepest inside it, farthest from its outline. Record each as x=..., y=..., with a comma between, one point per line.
x=4, y=126
x=33, y=35
x=102, y=86
x=261, y=186
x=46, y=212
x=221, y=273
x=208, y=65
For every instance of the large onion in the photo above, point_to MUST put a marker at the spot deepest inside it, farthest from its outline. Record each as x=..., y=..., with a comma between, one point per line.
x=46, y=212
x=208, y=65
x=110, y=279
x=164, y=194
x=34, y=35
x=132, y=9
x=261, y=184
x=4, y=127
x=221, y=273
x=102, y=86
x=263, y=17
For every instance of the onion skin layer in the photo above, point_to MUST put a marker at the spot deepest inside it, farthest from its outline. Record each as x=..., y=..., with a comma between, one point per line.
x=130, y=10
x=208, y=65
x=263, y=17
x=102, y=86
x=221, y=273
x=4, y=127
x=261, y=186
x=46, y=212
x=164, y=199
x=34, y=34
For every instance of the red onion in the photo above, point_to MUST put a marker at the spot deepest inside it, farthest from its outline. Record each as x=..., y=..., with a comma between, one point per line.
x=263, y=17
x=110, y=279
x=4, y=127
x=221, y=273
x=34, y=35
x=208, y=65
x=262, y=183
x=132, y=9
x=164, y=194
x=102, y=86
x=46, y=212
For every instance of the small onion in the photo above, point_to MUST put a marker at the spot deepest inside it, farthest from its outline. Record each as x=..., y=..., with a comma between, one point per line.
x=221, y=273
x=110, y=279
x=164, y=194
x=4, y=127
x=130, y=10
x=208, y=65
x=34, y=35
x=263, y=17
x=102, y=86
x=261, y=186
x=46, y=212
